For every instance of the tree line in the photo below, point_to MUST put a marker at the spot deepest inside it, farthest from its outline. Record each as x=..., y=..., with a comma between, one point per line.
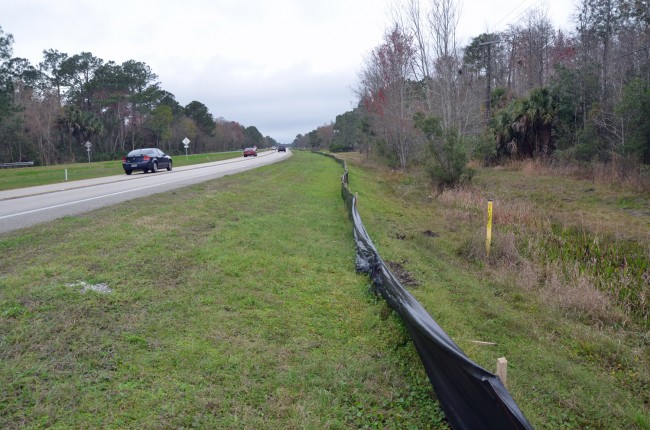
x=529, y=91
x=50, y=110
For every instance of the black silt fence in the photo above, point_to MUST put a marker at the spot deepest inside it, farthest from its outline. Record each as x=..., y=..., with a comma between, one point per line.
x=471, y=397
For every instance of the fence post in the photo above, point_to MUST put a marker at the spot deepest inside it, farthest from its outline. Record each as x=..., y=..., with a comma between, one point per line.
x=502, y=369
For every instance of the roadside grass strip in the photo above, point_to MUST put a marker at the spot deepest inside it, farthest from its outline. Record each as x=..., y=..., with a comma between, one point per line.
x=229, y=304
x=45, y=175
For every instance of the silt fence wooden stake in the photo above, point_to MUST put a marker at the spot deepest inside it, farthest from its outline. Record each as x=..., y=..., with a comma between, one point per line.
x=502, y=369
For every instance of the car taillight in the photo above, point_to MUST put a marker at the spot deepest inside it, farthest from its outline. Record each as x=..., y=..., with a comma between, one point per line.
x=123, y=159
x=146, y=158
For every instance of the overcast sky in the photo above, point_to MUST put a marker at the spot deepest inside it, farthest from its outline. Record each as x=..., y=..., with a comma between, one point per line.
x=284, y=66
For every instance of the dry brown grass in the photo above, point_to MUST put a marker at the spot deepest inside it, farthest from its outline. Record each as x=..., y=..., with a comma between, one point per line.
x=506, y=212
x=504, y=252
x=514, y=253
x=573, y=291
x=630, y=175
x=621, y=171
x=523, y=219
x=360, y=159
x=529, y=276
x=467, y=200
x=568, y=290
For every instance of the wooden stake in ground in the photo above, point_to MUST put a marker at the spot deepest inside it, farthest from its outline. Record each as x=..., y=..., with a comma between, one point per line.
x=502, y=369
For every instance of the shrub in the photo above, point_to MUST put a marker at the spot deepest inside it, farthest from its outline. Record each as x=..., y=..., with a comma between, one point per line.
x=447, y=166
x=340, y=147
x=483, y=149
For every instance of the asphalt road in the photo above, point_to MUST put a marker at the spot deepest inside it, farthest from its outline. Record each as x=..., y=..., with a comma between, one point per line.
x=25, y=207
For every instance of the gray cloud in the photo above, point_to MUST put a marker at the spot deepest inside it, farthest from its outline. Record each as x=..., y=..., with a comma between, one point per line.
x=285, y=66
x=279, y=105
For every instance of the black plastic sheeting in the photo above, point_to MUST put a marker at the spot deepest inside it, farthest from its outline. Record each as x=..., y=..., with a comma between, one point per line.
x=471, y=397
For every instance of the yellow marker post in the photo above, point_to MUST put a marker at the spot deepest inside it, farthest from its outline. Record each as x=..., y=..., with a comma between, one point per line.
x=488, y=237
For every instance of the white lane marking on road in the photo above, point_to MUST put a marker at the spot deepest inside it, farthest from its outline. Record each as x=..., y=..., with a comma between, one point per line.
x=107, y=195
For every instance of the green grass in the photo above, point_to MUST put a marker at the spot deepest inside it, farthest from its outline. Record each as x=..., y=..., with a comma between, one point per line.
x=233, y=305
x=33, y=176
x=259, y=321
x=568, y=366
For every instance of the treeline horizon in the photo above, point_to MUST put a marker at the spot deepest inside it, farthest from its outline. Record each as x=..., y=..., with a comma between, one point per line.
x=530, y=91
x=49, y=111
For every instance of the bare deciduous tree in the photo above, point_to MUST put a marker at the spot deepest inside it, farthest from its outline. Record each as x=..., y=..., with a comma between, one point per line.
x=40, y=115
x=448, y=81
x=386, y=89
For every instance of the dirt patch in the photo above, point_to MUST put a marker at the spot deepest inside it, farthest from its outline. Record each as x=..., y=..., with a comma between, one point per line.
x=402, y=274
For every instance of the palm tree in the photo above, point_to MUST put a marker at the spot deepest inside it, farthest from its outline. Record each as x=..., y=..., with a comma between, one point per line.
x=501, y=126
x=543, y=111
x=81, y=125
x=522, y=126
x=533, y=124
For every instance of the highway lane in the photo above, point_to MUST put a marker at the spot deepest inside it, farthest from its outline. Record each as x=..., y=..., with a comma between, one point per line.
x=25, y=207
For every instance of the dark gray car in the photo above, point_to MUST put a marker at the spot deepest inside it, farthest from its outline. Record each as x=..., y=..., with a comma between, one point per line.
x=146, y=159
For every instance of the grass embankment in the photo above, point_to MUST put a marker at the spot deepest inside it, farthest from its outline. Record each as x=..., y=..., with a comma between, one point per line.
x=44, y=175
x=233, y=304
x=564, y=295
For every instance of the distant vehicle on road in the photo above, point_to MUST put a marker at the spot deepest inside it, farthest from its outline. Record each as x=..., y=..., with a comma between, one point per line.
x=146, y=159
x=282, y=148
x=273, y=148
x=250, y=152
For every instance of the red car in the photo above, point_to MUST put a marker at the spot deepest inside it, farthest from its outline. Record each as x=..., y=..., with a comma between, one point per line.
x=250, y=152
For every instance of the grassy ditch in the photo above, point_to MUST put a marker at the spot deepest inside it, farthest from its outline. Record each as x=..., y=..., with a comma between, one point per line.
x=44, y=175
x=564, y=295
x=229, y=304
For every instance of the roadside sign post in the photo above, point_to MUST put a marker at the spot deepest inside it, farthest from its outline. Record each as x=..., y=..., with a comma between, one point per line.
x=186, y=143
x=88, y=145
